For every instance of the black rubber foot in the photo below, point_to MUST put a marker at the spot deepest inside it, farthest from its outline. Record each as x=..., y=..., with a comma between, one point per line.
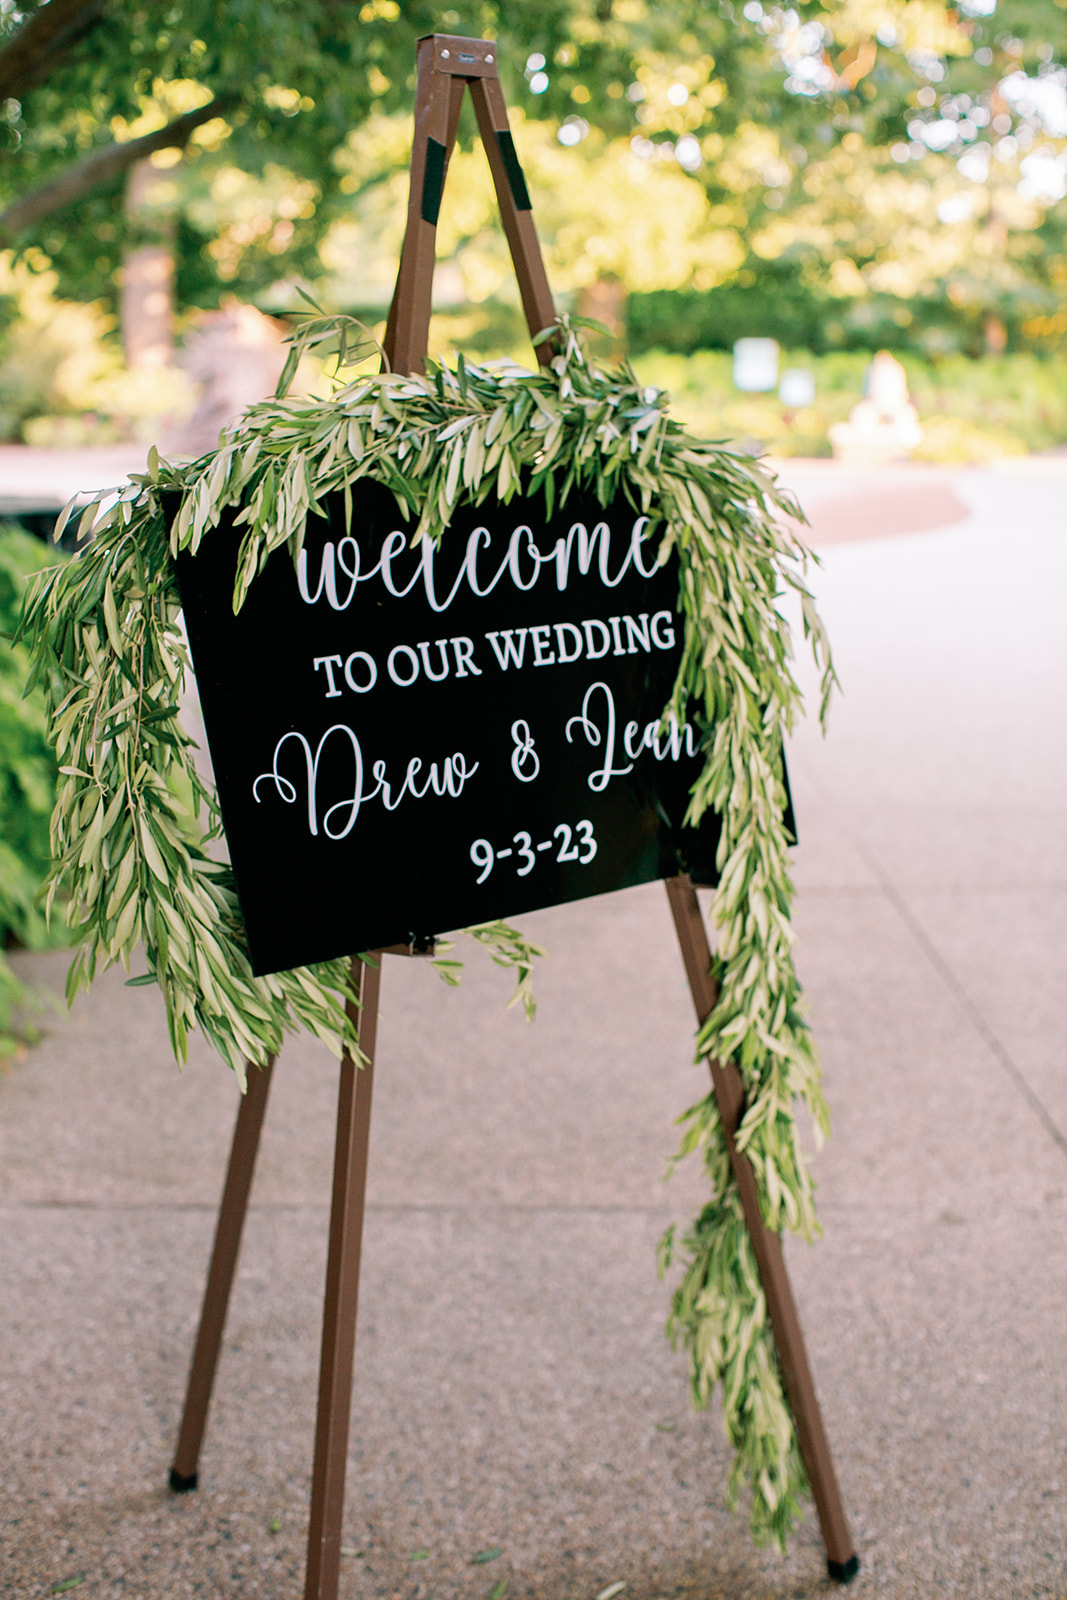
x=844, y=1571
x=182, y=1485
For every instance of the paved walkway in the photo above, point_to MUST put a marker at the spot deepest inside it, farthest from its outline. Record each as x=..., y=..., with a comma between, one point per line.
x=513, y=1387
x=39, y=478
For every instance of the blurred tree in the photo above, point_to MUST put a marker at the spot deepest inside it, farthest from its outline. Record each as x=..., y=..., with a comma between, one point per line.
x=869, y=146
x=259, y=96
x=940, y=170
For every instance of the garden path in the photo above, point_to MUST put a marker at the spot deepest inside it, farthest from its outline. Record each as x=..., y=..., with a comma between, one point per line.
x=513, y=1387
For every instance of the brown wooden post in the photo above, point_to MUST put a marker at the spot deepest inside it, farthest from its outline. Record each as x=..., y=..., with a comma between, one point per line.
x=184, y=1474
x=447, y=66
x=842, y=1560
x=438, y=99
x=342, y=1295
x=516, y=212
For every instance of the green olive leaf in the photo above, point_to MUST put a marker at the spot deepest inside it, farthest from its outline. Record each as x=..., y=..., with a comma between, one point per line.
x=134, y=823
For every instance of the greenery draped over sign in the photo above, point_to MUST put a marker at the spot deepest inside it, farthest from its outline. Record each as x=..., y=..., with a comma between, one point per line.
x=134, y=824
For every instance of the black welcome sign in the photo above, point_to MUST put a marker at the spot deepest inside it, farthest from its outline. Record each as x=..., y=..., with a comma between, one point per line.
x=408, y=739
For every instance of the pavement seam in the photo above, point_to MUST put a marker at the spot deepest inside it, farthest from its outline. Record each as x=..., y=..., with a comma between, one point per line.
x=985, y=1029
x=945, y=971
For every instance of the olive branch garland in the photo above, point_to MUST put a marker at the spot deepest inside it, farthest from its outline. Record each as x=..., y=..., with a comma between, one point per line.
x=134, y=824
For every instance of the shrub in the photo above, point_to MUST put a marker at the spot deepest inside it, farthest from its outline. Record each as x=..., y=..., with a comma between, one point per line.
x=970, y=410
x=62, y=378
x=27, y=783
x=782, y=303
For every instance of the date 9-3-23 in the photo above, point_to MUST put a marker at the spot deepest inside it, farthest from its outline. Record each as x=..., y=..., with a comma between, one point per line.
x=575, y=844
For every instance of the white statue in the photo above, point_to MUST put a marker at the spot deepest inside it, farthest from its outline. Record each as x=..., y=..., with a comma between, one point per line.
x=884, y=426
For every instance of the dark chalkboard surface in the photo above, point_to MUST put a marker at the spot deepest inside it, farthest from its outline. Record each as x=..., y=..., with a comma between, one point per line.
x=408, y=740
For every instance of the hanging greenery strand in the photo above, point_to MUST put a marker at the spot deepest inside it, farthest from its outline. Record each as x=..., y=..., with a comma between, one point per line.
x=135, y=825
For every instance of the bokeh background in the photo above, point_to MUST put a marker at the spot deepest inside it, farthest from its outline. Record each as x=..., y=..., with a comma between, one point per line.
x=835, y=233
x=840, y=179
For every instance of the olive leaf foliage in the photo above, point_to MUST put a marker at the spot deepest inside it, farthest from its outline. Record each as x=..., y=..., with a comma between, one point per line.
x=134, y=824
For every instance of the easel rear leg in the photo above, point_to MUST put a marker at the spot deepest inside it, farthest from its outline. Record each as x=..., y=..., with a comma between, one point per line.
x=184, y=1474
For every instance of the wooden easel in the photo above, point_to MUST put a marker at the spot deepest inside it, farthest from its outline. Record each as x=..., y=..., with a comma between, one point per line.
x=447, y=68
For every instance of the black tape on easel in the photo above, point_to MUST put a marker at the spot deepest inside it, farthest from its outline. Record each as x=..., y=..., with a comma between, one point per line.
x=516, y=180
x=433, y=181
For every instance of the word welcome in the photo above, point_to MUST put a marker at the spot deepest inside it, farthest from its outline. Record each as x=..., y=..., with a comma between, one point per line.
x=523, y=564
x=590, y=640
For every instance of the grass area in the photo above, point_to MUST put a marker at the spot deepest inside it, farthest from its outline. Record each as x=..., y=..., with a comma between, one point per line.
x=971, y=410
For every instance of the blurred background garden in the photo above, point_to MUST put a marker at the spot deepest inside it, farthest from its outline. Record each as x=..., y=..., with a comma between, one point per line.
x=751, y=199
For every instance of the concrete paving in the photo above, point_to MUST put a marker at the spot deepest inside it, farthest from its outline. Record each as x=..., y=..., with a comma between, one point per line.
x=513, y=1387
x=36, y=478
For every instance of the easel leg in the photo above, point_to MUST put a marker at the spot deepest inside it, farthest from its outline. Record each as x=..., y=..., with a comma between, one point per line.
x=842, y=1560
x=342, y=1293
x=184, y=1474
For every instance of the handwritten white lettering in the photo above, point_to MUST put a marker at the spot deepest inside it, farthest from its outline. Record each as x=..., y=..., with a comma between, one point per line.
x=343, y=557
x=332, y=557
x=664, y=745
x=524, y=756
x=636, y=739
x=288, y=790
x=447, y=777
x=599, y=778
x=392, y=546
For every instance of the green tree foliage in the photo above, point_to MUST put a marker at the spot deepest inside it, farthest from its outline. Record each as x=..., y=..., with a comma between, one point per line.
x=901, y=147
x=269, y=91
x=58, y=361
x=137, y=70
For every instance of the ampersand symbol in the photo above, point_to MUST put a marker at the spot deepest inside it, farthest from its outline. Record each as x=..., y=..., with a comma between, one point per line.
x=524, y=753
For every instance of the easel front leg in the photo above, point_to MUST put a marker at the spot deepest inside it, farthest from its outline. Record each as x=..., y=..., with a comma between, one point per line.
x=184, y=1473
x=342, y=1295
x=842, y=1560
x=438, y=99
